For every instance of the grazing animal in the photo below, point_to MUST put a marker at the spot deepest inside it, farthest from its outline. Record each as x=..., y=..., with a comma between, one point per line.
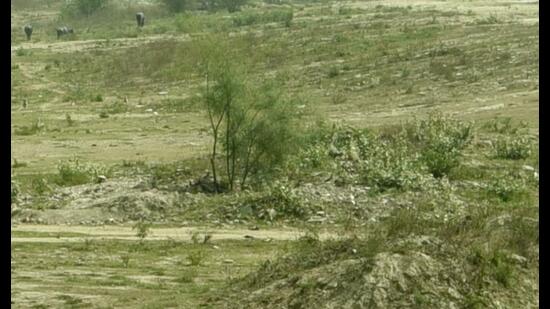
x=28, y=31
x=63, y=31
x=140, y=18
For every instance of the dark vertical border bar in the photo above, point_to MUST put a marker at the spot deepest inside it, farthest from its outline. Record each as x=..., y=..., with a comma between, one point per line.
x=542, y=163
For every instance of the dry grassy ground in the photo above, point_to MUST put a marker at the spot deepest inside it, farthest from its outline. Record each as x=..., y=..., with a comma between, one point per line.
x=117, y=97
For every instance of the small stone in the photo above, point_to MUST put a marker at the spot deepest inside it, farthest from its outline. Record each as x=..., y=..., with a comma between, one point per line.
x=163, y=93
x=228, y=261
x=528, y=168
x=248, y=237
x=518, y=259
x=316, y=219
x=101, y=178
x=254, y=228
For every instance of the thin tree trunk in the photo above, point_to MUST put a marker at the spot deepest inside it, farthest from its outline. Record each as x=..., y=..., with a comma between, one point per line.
x=227, y=148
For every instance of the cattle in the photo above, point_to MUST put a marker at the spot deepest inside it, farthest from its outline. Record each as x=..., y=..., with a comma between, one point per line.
x=28, y=31
x=140, y=18
x=63, y=31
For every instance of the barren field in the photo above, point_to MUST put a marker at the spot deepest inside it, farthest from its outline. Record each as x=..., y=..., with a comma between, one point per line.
x=418, y=187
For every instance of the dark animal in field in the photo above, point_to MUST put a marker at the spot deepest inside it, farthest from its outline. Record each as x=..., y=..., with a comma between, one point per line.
x=140, y=18
x=63, y=31
x=28, y=31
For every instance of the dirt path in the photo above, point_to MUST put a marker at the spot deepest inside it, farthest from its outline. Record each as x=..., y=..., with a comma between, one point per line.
x=103, y=44
x=126, y=233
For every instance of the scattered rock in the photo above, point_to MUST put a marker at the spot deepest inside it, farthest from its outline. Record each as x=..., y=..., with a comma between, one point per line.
x=101, y=178
x=518, y=259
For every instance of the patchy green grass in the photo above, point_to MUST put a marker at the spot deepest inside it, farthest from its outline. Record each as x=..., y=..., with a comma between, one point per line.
x=127, y=103
x=151, y=274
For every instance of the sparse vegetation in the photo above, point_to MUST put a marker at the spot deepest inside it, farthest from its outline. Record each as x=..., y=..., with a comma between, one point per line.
x=513, y=147
x=143, y=229
x=74, y=172
x=282, y=154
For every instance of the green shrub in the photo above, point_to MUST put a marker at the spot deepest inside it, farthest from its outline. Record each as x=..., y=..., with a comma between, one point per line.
x=278, y=202
x=40, y=186
x=380, y=161
x=69, y=120
x=441, y=141
x=196, y=257
x=256, y=128
x=390, y=164
x=73, y=172
x=333, y=72
x=513, y=147
x=143, y=229
x=15, y=190
x=22, y=52
x=97, y=98
x=507, y=187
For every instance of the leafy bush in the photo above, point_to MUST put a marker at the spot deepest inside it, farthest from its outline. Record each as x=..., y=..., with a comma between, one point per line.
x=279, y=201
x=513, y=147
x=507, y=187
x=255, y=128
x=376, y=160
x=390, y=164
x=73, y=172
x=441, y=141
x=400, y=158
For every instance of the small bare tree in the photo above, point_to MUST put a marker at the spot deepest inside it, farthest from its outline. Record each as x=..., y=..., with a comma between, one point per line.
x=254, y=127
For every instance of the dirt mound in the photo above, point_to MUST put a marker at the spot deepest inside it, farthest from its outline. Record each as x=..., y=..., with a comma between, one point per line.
x=109, y=202
x=389, y=279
